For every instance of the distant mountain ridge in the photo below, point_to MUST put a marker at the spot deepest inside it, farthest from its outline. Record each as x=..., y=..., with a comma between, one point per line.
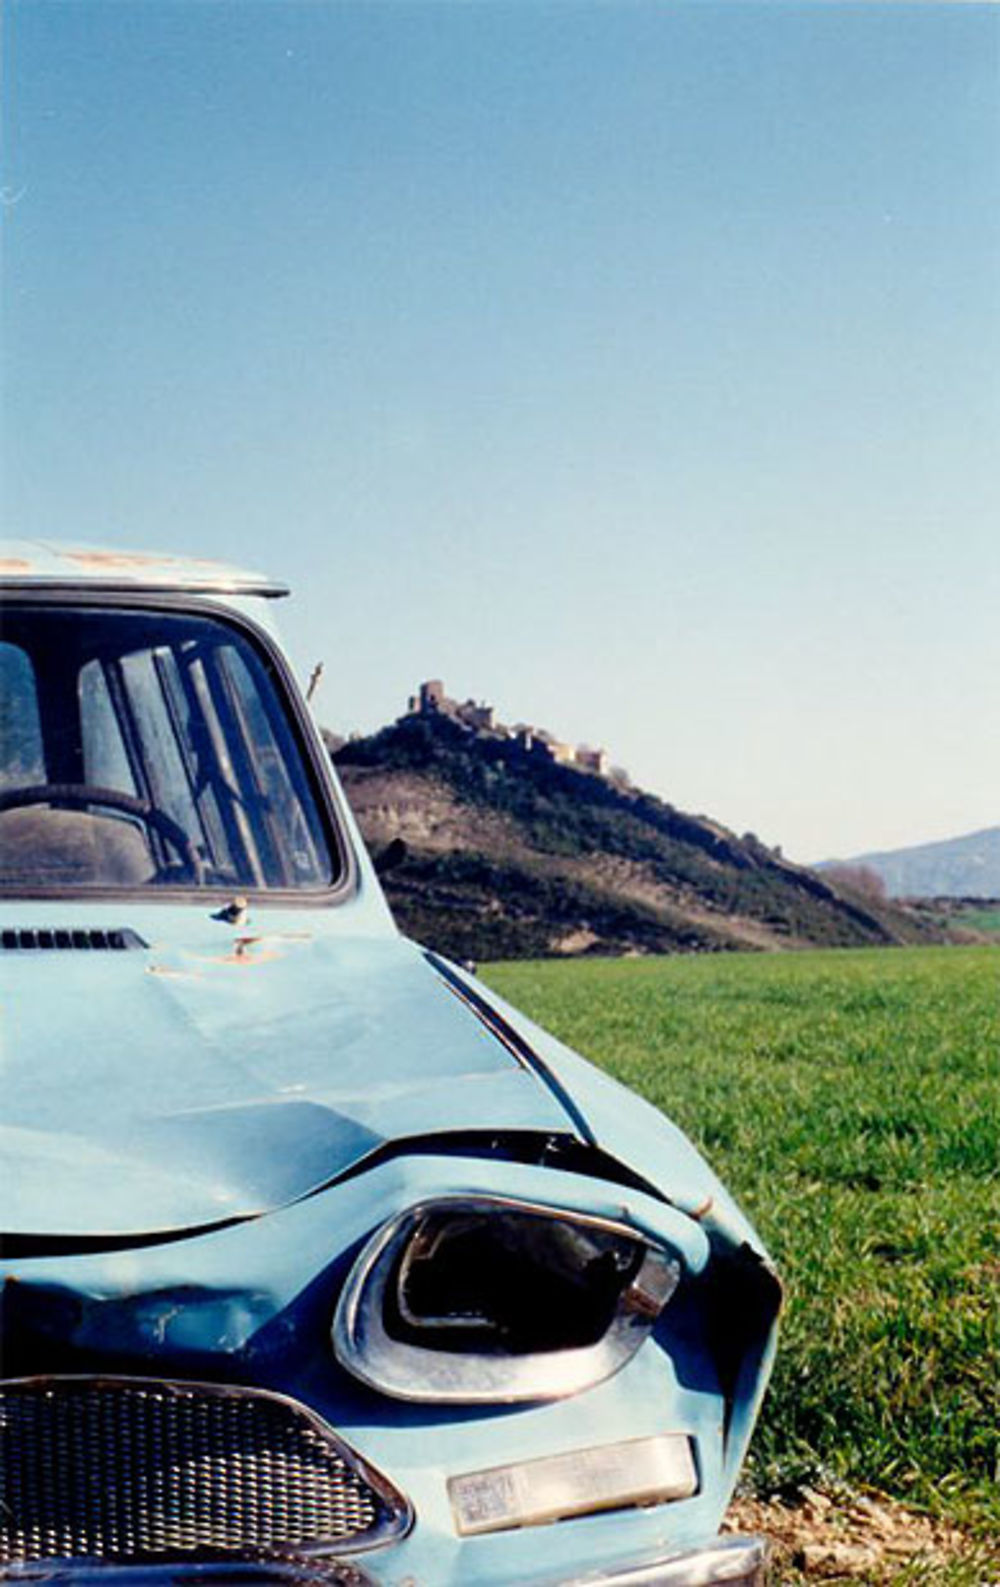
x=515, y=853
x=962, y=867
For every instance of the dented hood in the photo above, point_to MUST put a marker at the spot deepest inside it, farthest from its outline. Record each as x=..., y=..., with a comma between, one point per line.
x=152, y=1090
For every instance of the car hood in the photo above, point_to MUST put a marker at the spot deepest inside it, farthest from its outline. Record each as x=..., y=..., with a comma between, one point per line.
x=152, y=1091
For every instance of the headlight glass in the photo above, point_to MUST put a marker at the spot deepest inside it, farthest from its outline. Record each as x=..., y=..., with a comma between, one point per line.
x=486, y=1300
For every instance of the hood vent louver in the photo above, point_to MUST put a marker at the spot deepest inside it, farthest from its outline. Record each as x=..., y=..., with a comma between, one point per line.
x=32, y=940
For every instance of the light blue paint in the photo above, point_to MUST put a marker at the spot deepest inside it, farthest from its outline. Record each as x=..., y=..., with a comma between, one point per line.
x=222, y=1089
x=302, y=1077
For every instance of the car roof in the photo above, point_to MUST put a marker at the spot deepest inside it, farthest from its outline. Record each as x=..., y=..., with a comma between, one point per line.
x=50, y=564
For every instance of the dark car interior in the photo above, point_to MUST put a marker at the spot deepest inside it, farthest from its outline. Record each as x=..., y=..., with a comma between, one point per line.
x=148, y=748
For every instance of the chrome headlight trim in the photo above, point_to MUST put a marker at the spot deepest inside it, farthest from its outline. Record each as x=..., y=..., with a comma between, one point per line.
x=407, y=1371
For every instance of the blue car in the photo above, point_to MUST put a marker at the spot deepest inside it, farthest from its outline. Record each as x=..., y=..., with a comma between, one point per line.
x=321, y=1263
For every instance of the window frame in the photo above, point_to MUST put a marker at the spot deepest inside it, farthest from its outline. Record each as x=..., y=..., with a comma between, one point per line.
x=328, y=798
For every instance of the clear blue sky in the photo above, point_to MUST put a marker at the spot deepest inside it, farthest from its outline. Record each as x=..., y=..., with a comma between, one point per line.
x=635, y=367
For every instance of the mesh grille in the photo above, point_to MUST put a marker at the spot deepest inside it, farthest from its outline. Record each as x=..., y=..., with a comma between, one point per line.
x=134, y=1470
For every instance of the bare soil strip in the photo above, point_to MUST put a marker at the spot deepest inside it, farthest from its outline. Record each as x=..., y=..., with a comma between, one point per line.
x=858, y=1538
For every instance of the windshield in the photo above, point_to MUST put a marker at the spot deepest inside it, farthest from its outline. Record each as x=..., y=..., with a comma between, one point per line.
x=148, y=749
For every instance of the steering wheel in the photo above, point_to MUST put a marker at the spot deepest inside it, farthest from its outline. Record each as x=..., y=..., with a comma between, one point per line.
x=79, y=796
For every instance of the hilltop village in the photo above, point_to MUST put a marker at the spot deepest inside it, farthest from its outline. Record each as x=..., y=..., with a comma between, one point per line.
x=517, y=845
x=431, y=701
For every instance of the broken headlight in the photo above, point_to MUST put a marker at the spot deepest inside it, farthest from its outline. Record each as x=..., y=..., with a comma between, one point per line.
x=481, y=1299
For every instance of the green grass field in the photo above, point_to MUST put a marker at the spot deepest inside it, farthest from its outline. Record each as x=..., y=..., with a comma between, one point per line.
x=851, y=1100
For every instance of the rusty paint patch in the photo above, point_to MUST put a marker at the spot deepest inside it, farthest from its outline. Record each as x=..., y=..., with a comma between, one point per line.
x=124, y=560
x=115, y=559
x=243, y=954
x=247, y=952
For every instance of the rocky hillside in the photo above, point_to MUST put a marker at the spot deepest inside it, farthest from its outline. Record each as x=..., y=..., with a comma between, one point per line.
x=512, y=855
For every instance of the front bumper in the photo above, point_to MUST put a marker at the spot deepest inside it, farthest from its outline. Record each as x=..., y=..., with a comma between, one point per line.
x=725, y=1562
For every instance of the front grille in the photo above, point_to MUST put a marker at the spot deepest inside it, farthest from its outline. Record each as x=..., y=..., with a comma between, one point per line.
x=128, y=1469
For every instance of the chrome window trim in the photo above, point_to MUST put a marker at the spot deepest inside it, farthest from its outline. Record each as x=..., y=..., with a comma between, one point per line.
x=315, y=758
x=262, y=589
x=414, y=1373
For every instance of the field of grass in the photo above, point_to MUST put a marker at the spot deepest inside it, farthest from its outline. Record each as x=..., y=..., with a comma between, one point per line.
x=851, y=1100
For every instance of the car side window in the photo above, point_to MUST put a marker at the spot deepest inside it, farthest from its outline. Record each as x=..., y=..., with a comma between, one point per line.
x=170, y=787
x=105, y=757
x=23, y=761
x=297, y=841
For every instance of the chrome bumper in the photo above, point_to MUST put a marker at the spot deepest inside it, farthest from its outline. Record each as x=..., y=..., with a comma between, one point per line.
x=725, y=1562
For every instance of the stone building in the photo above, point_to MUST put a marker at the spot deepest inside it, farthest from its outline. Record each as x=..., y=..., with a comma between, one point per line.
x=431, y=700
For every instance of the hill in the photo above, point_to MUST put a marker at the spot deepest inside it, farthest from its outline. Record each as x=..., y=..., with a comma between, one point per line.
x=964, y=867
x=512, y=854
